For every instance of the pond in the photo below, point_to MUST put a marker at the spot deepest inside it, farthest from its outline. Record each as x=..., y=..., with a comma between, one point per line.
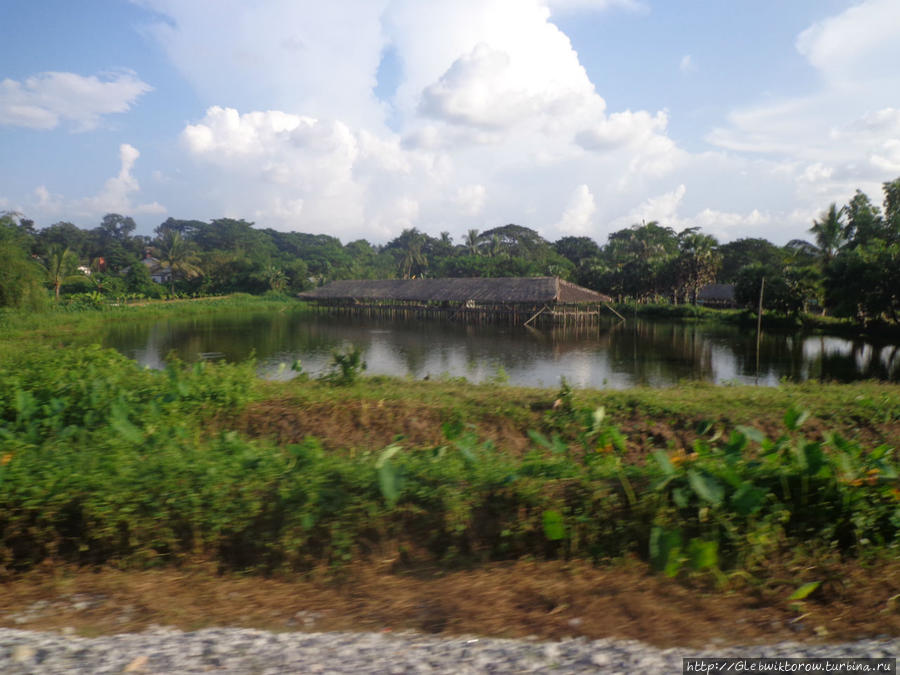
x=656, y=353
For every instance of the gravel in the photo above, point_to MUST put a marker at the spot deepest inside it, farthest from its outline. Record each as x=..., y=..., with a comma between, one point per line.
x=246, y=652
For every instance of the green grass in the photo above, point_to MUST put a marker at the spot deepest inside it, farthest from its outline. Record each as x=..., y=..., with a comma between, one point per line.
x=62, y=324
x=105, y=462
x=772, y=321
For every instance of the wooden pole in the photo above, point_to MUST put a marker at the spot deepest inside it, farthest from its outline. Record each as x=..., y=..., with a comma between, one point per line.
x=539, y=312
x=610, y=308
x=762, y=288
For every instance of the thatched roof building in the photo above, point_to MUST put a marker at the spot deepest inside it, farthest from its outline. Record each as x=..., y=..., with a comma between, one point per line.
x=503, y=290
x=518, y=300
x=717, y=295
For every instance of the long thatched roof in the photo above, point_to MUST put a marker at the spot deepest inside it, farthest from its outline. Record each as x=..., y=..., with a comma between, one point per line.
x=530, y=290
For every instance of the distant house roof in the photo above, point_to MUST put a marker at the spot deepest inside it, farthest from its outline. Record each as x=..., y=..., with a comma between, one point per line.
x=716, y=293
x=158, y=272
x=534, y=290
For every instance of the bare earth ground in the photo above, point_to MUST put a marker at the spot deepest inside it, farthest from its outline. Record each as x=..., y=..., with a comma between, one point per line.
x=547, y=600
x=375, y=424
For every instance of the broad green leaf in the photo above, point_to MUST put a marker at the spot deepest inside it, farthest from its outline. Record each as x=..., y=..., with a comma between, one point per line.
x=617, y=439
x=748, y=499
x=119, y=421
x=879, y=452
x=560, y=447
x=665, y=550
x=805, y=590
x=735, y=446
x=703, y=427
x=794, y=418
x=386, y=454
x=754, y=435
x=814, y=458
x=540, y=439
x=680, y=497
x=452, y=429
x=664, y=462
x=706, y=487
x=597, y=418
x=703, y=554
x=554, y=529
x=673, y=564
x=388, y=482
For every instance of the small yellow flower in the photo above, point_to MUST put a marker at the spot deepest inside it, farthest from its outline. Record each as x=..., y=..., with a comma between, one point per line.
x=6, y=459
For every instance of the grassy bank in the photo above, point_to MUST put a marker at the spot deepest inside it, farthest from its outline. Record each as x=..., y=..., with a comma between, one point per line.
x=103, y=462
x=772, y=321
x=61, y=322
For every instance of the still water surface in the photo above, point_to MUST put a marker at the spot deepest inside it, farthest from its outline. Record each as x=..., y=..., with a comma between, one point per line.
x=619, y=355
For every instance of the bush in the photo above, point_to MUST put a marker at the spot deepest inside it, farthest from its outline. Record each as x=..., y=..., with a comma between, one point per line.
x=103, y=461
x=346, y=366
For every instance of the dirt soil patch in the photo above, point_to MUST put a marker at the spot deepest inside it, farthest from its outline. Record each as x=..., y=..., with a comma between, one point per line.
x=541, y=600
x=365, y=424
x=373, y=424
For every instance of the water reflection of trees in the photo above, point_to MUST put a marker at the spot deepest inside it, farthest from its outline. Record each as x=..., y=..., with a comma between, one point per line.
x=638, y=352
x=864, y=360
x=661, y=352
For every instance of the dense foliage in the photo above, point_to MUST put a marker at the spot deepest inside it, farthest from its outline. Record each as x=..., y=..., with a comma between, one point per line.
x=849, y=269
x=102, y=461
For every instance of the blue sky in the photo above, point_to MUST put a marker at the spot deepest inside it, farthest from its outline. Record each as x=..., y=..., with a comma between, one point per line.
x=358, y=118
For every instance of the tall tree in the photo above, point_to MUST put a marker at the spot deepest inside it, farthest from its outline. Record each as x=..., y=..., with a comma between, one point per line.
x=642, y=254
x=413, y=259
x=892, y=209
x=697, y=263
x=742, y=252
x=829, y=233
x=20, y=276
x=61, y=264
x=864, y=221
x=577, y=249
x=472, y=242
x=117, y=227
x=176, y=254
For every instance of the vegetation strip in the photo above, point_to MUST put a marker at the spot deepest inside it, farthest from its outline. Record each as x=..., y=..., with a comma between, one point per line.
x=103, y=461
x=849, y=270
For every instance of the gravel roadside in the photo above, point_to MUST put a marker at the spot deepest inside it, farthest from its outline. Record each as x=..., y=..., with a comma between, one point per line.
x=247, y=652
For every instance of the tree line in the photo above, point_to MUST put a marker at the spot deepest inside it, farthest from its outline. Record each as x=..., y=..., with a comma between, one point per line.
x=850, y=267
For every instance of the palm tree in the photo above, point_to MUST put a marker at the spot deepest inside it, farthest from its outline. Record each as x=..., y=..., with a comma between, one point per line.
x=176, y=254
x=414, y=258
x=697, y=262
x=829, y=233
x=472, y=242
x=61, y=265
x=276, y=278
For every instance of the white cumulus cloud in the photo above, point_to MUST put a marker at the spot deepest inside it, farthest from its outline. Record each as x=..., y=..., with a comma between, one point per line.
x=115, y=196
x=45, y=100
x=577, y=218
x=842, y=135
x=471, y=199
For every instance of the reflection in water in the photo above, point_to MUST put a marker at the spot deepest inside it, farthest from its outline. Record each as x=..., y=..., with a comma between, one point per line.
x=651, y=353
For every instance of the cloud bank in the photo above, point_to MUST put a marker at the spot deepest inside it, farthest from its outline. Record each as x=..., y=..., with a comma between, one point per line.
x=490, y=118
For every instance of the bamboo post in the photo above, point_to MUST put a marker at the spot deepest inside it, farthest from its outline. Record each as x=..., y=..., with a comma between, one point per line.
x=611, y=309
x=539, y=312
x=762, y=288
